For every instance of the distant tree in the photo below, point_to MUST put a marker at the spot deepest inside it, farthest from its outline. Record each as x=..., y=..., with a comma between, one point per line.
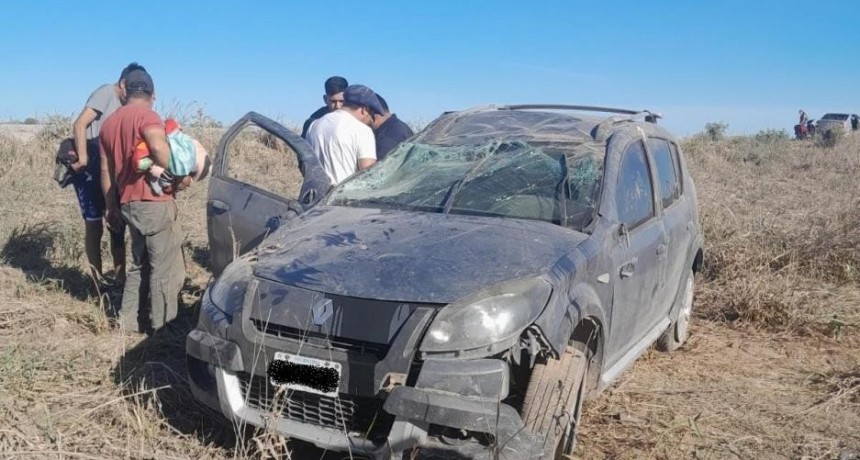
x=31, y=121
x=715, y=131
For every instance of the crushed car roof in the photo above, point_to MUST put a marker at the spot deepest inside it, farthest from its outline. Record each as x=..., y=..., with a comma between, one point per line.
x=529, y=123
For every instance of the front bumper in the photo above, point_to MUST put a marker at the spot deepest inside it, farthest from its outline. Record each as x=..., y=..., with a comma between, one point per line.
x=463, y=395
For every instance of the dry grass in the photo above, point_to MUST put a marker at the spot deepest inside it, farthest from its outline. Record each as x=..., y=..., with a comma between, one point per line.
x=69, y=385
x=780, y=381
x=780, y=221
x=259, y=158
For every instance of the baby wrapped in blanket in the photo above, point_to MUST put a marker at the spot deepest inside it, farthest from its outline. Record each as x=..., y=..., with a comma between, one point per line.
x=188, y=157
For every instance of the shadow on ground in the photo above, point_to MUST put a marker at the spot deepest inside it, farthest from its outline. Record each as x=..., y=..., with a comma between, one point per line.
x=200, y=255
x=30, y=248
x=156, y=368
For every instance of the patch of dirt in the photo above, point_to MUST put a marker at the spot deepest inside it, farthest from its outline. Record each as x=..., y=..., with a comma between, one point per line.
x=730, y=393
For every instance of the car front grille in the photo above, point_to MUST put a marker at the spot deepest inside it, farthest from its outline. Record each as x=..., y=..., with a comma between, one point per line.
x=351, y=414
x=322, y=340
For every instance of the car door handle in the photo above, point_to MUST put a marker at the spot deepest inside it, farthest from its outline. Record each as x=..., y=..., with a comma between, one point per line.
x=661, y=250
x=219, y=207
x=627, y=270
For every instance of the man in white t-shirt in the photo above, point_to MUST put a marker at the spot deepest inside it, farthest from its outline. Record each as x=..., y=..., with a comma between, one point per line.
x=343, y=139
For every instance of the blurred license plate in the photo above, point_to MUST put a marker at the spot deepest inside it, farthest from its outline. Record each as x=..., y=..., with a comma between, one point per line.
x=302, y=373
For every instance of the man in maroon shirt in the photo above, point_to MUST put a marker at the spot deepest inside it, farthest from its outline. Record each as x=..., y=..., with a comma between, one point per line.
x=155, y=234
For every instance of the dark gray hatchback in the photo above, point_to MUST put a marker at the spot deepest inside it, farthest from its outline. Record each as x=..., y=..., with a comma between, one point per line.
x=461, y=298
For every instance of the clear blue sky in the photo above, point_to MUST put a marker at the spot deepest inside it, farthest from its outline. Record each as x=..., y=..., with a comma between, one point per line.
x=752, y=64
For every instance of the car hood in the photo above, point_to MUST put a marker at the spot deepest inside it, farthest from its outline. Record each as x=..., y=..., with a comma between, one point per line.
x=408, y=256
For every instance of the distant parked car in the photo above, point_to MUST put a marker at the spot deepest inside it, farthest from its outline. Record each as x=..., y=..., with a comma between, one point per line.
x=462, y=297
x=847, y=122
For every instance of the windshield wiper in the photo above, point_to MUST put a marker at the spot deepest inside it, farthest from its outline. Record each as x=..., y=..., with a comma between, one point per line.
x=388, y=205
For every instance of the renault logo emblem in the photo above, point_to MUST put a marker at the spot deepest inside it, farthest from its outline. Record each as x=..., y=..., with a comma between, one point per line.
x=322, y=311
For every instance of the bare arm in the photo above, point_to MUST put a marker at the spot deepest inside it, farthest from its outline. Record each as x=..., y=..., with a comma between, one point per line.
x=85, y=118
x=107, y=180
x=156, y=140
x=364, y=163
x=109, y=190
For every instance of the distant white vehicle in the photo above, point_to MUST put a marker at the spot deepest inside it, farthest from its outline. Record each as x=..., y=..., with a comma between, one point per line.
x=848, y=122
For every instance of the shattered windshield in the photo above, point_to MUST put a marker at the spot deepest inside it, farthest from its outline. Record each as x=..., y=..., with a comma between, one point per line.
x=506, y=179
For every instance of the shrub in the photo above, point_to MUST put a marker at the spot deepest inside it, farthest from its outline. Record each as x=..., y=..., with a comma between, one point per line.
x=201, y=119
x=829, y=138
x=772, y=135
x=57, y=127
x=31, y=121
x=715, y=131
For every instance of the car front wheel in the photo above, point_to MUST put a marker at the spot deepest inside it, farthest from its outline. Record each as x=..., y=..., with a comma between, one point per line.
x=553, y=402
x=676, y=334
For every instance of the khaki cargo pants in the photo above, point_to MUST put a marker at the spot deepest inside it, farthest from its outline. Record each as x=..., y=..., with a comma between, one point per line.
x=157, y=269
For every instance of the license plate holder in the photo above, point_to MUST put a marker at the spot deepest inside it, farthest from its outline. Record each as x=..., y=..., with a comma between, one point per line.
x=303, y=373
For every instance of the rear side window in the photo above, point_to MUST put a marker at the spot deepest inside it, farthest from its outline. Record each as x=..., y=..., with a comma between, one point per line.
x=634, y=191
x=666, y=162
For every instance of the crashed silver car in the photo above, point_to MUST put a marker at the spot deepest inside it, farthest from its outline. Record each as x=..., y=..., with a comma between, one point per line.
x=841, y=121
x=461, y=298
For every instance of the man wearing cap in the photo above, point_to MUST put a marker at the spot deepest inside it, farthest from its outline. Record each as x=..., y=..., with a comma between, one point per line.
x=87, y=178
x=343, y=140
x=388, y=130
x=155, y=234
x=333, y=99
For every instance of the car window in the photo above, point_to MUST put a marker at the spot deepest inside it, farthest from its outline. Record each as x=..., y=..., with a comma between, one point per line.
x=634, y=191
x=835, y=116
x=263, y=160
x=676, y=158
x=504, y=179
x=667, y=171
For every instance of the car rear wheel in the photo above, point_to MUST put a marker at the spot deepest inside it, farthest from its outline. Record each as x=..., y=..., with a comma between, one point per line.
x=676, y=334
x=553, y=402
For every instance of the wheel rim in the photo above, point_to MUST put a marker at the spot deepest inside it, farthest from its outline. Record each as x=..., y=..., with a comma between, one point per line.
x=683, y=323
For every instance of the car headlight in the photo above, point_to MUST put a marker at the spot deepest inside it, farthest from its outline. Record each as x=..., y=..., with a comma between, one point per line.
x=227, y=293
x=490, y=316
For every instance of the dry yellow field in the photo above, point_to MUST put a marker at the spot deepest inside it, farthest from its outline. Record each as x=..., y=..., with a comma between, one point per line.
x=771, y=371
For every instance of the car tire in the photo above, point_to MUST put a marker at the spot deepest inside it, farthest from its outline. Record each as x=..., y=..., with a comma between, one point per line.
x=676, y=334
x=553, y=402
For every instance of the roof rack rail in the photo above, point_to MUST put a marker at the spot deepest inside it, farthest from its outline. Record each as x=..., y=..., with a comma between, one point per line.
x=649, y=115
x=586, y=108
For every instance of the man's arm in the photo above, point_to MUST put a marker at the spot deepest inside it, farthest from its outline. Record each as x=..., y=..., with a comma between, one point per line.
x=364, y=163
x=85, y=118
x=156, y=140
x=366, y=149
x=109, y=191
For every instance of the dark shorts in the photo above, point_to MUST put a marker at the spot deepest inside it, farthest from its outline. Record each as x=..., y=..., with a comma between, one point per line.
x=88, y=187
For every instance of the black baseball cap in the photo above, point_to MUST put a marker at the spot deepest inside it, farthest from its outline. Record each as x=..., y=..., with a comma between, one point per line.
x=362, y=96
x=139, y=81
